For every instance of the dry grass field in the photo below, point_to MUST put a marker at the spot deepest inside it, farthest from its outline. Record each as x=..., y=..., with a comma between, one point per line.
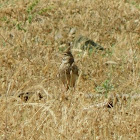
x=33, y=35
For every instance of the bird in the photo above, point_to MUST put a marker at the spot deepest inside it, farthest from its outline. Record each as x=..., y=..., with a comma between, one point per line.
x=68, y=70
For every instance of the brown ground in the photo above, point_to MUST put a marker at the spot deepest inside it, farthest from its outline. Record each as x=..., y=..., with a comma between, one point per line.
x=32, y=34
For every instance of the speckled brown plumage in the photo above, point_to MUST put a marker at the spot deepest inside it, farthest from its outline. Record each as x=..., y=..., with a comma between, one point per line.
x=68, y=71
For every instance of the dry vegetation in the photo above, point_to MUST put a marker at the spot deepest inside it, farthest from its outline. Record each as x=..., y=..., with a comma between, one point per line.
x=32, y=34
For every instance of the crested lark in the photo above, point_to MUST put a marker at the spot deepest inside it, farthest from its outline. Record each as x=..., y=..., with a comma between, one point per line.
x=68, y=71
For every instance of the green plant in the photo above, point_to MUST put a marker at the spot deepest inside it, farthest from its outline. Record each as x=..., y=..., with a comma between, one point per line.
x=19, y=27
x=105, y=87
x=48, y=8
x=32, y=6
x=30, y=10
x=4, y=18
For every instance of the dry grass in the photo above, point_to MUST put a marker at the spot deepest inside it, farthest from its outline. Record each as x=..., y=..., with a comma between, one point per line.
x=29, y=61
